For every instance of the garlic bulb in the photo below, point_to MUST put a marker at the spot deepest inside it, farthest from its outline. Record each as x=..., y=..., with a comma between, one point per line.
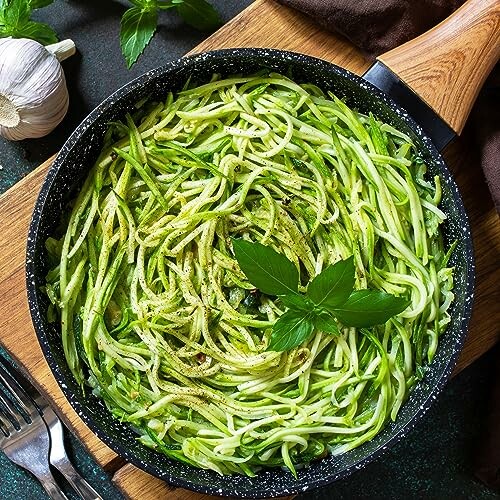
x=33, y=93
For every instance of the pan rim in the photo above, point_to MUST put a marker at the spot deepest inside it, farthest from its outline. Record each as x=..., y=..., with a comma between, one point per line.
x=34, y=307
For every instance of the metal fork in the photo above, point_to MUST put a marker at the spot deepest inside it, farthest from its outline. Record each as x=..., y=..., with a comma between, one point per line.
x=36, y=406
x=27, y=445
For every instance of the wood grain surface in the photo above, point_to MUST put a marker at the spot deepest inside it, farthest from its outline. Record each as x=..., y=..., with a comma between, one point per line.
x=448, y=65
x=263, y=24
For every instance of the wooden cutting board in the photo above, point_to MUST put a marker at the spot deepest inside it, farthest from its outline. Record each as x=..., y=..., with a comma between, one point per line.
x=263, y=24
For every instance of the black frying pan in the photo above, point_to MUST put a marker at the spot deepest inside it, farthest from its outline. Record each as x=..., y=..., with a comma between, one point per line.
x=81, y=150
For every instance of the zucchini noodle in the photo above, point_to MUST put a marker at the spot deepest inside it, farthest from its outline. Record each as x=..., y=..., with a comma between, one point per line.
x=157, y=317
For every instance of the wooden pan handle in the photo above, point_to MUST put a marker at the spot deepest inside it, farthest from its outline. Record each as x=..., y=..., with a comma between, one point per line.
x=448, y=65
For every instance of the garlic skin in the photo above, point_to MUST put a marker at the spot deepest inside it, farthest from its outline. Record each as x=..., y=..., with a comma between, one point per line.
x=33, y=94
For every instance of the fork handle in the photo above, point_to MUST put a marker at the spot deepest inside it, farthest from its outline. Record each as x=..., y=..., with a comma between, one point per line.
x=79, y=484
x=50, y=486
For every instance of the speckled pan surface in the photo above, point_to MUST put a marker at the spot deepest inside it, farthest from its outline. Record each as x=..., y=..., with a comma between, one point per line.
x=68, y=173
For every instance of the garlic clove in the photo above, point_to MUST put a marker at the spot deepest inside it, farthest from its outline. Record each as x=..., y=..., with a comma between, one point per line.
x=33, y=94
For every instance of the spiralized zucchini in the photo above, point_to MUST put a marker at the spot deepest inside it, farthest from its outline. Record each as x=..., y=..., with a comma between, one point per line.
x=159, y=320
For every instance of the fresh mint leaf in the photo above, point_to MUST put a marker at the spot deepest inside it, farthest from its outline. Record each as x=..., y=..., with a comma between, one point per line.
x=271, y=272
x=297, y=302
x=333, y=285
x=40, y=32
x=38, y=4
x=365, y=308
x=290, y=330
x=199, y=14
x=138, y=25
x=325, y=322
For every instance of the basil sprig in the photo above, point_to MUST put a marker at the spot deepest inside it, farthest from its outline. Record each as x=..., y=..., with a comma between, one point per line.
x=139, y=22
x=15, y=21
x=330, y=297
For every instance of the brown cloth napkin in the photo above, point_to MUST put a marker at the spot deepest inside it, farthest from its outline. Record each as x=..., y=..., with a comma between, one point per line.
x=485, y=122
x=376, y=26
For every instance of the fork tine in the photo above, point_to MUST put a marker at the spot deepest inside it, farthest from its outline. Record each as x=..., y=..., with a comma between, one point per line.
x=16, y=390
x=3, y=428
x=7, y=424
x=10, y=411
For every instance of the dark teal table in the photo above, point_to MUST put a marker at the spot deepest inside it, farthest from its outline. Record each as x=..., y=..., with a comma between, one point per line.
x=434, y=461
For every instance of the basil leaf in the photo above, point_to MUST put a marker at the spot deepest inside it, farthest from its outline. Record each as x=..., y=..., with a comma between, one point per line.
x=290, y=330
x=137, y=3
x=6, y=31
x=366, y=308
x=325, y=322
x=167, y=4
x=137, y=27
x=16, y=13
x=333, y=285
x=199, y=14
x=297, y=302
x=38, y=4
x=40, y=32
x=271, y=272
x=15, y=21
